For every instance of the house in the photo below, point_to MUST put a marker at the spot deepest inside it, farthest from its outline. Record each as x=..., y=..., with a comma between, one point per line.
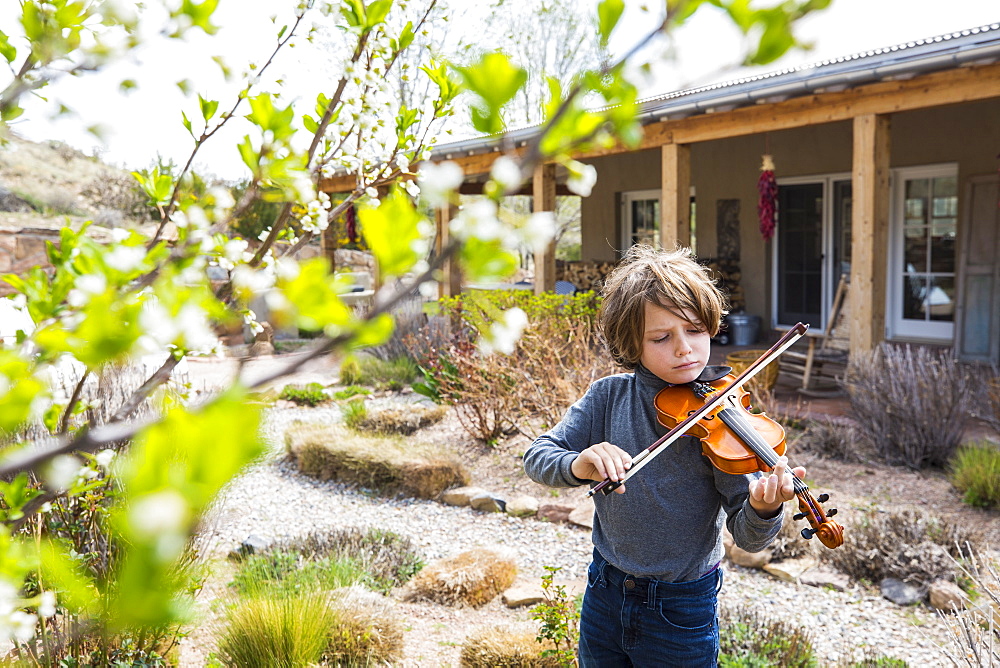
x=887, y=170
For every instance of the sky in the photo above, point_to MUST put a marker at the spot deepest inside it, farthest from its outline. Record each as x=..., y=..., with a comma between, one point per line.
x=139, y=125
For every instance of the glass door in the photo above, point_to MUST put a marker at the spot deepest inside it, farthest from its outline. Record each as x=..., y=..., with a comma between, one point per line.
x=641, y=218
x=799, y=246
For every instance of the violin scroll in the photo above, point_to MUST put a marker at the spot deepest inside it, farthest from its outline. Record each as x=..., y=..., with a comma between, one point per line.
x=829, y=532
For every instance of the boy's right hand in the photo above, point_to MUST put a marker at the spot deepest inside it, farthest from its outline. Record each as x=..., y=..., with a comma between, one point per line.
x=601, y=461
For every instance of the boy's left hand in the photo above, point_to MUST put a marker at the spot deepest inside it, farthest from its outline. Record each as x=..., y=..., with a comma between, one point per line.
x=770, y=491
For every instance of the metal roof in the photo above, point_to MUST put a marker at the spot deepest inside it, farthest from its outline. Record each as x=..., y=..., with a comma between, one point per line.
x=973, y=46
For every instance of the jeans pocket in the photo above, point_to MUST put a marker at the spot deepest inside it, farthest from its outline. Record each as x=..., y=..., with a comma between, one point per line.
x=593, y=574
x=692, y=613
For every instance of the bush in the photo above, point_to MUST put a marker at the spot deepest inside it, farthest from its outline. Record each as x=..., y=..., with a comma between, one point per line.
x=973, y=631
x=903, y=544
x=310, y=395
x=394, y=420
x=975, y=472
x=292, y=631
x=384, y=463
x=833, y=440
x=280, y=573
x=387, y=559
x=381, y=374
x=507, y=646
x=556, y=359
x=471, y=578
x=748, y=639
x=911, y=404
x=365, y=630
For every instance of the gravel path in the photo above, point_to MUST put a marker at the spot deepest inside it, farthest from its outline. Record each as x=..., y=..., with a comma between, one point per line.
x=273, y=501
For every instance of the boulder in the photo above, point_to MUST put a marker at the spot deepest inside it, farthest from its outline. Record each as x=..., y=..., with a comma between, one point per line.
x=825, y=578
x=522, y=506
x=901, y=593
x=251, y=545
x=555, y=512
x=741, y=557
x=522, y=594
x=583, y=514
x=946, y=596
x=460, y=496
x=790, y=570
x=487, y=503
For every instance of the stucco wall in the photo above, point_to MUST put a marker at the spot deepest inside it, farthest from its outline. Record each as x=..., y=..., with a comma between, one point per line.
x=968, y=134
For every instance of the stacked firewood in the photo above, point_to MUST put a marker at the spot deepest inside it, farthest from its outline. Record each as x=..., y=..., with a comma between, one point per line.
x=585, y=275
x=727, y=275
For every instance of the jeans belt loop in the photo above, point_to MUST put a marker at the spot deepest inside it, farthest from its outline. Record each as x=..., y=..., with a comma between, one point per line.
x=651, y=595
x=601, y=578
x=718, y=582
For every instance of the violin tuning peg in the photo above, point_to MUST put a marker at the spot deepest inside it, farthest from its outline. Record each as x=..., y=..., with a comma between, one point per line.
x=808, y=533
x=799, y=516
x=823, y=498
x=831, y=512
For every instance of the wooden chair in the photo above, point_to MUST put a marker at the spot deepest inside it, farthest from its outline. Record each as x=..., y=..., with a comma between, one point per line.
x=824, y=362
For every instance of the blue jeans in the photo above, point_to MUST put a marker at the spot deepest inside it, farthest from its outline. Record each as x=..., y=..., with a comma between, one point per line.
x=630, y=621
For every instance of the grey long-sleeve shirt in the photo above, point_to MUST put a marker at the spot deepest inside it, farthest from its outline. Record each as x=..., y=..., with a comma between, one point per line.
x=668, y=524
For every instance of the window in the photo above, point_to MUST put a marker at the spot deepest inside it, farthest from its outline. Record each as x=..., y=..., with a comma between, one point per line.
x=641, y=218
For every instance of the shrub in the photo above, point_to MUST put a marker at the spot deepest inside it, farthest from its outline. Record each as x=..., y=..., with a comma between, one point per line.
x=911, y=404
x=507, y=646
x=292, y=631
x=560, y=621
x=749, y=639
x=988, y=405
x=394, y=420
x=310, y=395
x=384, y=463
x=973, y=631
x=975, y=472
x=387, y=559
x=833, y=440
x=471, y=578
x=904, y=544
x=351, y=391
x=280, y=573
x=393, y=374
x=789, y=544
x=557, y=357
x=365, y=630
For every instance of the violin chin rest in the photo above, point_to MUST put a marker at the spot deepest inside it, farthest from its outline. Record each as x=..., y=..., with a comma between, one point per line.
x=710, y=374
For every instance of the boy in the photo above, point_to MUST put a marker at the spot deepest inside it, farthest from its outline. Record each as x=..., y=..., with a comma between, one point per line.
x=652, y=586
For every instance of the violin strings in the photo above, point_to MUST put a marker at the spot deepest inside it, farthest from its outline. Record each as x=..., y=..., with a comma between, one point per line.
x=749, y=435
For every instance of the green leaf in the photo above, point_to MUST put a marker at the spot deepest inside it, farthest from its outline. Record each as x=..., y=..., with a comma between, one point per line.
x=208, y=107
x=377, y=11
x=495, y=80
x=7, y=49
x=608, y=14
x=391, y=230
x=314, y=294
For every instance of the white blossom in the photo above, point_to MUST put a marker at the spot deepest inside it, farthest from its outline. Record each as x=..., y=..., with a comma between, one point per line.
x=47, y=604
x=372, y=192
x=478, y=219
x=234, y=248
x=222, y=197
x=582, y=178
x=438, y=180
x=104, y=458
x=539, y=230
x=61, y=472
x=125, y=258
x=504, y=333
x=161, y=517
x=506, y=173
x=412, y=189
x=119, y=235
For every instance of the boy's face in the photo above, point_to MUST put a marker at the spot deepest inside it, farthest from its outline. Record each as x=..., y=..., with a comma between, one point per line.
x=673, y=348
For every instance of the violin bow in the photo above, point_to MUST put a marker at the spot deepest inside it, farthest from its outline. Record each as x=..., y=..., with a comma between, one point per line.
x=646, y=456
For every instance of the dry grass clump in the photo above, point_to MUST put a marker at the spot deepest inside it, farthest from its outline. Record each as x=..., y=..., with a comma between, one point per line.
x=751, y=638
x=506, y=646
x=398, y=419
x=789, y=543
x=974, y=632
x=366, y=631
x=384, y=463
x=833, y=440
x=471, y=578
x=903, y=544
x=911, y=404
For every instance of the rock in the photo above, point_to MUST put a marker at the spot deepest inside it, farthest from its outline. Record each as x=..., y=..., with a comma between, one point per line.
x=901, y=593
x=825, y=578
x=790, y=570
x=555, y=512
x=741, y=557
x=522, y=506
x=727, y=541
x=251, y=545
x=460, y=496
x=261, y=348
x=945, y=595
x=487, y=503
x=583, y=514
x=11, y=202
x=523, y=594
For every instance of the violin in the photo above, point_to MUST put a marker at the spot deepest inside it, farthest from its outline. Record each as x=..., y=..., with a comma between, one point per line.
x=734, y=439
x=738, y=441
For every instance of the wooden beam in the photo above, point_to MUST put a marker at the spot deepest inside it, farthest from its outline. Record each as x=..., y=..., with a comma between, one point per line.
x=870, y=232
x=675, y=198
x=451, y=280
x=475, y=188
x=544, y=184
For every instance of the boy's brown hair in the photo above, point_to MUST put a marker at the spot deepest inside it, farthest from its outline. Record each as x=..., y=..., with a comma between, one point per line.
x=671, y=279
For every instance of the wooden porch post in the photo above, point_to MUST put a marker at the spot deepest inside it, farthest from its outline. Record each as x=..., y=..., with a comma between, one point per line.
x=544, y=199
x=451, y=280
x=870, y=231
x=675, y=199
